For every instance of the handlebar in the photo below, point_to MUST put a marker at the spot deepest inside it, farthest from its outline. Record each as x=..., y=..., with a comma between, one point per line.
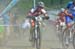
x=33, y=17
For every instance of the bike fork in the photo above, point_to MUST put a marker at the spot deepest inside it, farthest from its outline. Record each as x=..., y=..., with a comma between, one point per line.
x=36, y=31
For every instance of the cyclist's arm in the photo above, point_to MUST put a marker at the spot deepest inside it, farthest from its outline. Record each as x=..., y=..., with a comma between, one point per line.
x=67, y=8
x=46, y=16
x=30, y=12
x=45, y=13
x=66, y=12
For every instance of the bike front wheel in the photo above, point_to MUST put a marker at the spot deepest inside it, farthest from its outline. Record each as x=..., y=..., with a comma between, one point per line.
x=65, y=39
x=37, y=38
x=74, y=41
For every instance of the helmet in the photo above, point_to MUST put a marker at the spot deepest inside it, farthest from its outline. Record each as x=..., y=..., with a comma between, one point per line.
x=41, y=4
x=62, y=9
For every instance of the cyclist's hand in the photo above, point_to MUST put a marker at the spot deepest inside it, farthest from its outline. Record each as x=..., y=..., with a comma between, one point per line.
x=47, y=17
x=71, y=15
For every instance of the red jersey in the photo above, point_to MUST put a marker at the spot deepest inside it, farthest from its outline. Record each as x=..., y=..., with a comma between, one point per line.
x=36, y=12
x=61, y=16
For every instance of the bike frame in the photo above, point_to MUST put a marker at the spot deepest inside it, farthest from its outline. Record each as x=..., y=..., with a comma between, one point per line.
x=36, y=26
x=74, y=34
x=36, y=32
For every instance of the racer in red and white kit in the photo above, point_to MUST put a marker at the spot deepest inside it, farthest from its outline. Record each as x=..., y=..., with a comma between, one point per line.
x=61, y=18
x=37, y=11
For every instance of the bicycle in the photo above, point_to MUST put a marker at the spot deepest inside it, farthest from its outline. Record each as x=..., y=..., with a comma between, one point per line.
x=60, y=25
x=74, y=34
x=68, y=36
x=35, y=32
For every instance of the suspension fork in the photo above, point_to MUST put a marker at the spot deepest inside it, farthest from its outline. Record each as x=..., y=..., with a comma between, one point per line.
x=36, y=29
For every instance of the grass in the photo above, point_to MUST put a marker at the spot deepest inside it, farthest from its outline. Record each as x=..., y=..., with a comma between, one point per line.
x=1, y=29
x=1, y=32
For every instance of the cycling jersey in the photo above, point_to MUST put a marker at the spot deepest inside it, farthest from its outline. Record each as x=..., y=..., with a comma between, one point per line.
x=36, y=11
x=71, y=10
x=71, y=7
x=61, y=16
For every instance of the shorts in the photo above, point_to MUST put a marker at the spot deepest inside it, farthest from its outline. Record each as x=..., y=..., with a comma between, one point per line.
x=68, y=19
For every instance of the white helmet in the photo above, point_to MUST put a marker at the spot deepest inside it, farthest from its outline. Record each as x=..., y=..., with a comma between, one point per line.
x=41, y=4
x=62, y=9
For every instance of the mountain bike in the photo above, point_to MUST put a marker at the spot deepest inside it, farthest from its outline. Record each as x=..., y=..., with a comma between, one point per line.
x=69, y=36
x=35, y=31
x=74, y=33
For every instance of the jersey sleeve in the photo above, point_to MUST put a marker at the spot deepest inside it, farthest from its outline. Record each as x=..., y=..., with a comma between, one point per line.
x=43, y=11
x=32, y=10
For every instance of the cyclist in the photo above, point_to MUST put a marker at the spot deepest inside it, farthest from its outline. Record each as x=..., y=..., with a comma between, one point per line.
x=69, y=15
x=37, y=11
x=69, y=12
x=61, y=18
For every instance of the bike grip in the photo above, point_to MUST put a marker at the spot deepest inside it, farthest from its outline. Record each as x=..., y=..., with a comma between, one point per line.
x=47, y=17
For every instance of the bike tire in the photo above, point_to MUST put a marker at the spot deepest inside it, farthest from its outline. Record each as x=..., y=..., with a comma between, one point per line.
x=74, y=41
x=64, y=39
x=38, y=39
x=60, y=28
x=32, y=40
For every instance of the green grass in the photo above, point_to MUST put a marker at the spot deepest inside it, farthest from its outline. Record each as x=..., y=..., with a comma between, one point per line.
x=2, y=32
x=1, y=29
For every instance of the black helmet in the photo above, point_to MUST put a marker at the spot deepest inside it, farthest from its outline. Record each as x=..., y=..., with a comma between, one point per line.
x=41, y=4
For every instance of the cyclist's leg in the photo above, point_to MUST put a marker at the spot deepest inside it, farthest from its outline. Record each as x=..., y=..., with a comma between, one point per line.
x=68, y=26
x=41, y=21
x=31, y=33
x=31, y=29
x=57, y=24
x=68, y=23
